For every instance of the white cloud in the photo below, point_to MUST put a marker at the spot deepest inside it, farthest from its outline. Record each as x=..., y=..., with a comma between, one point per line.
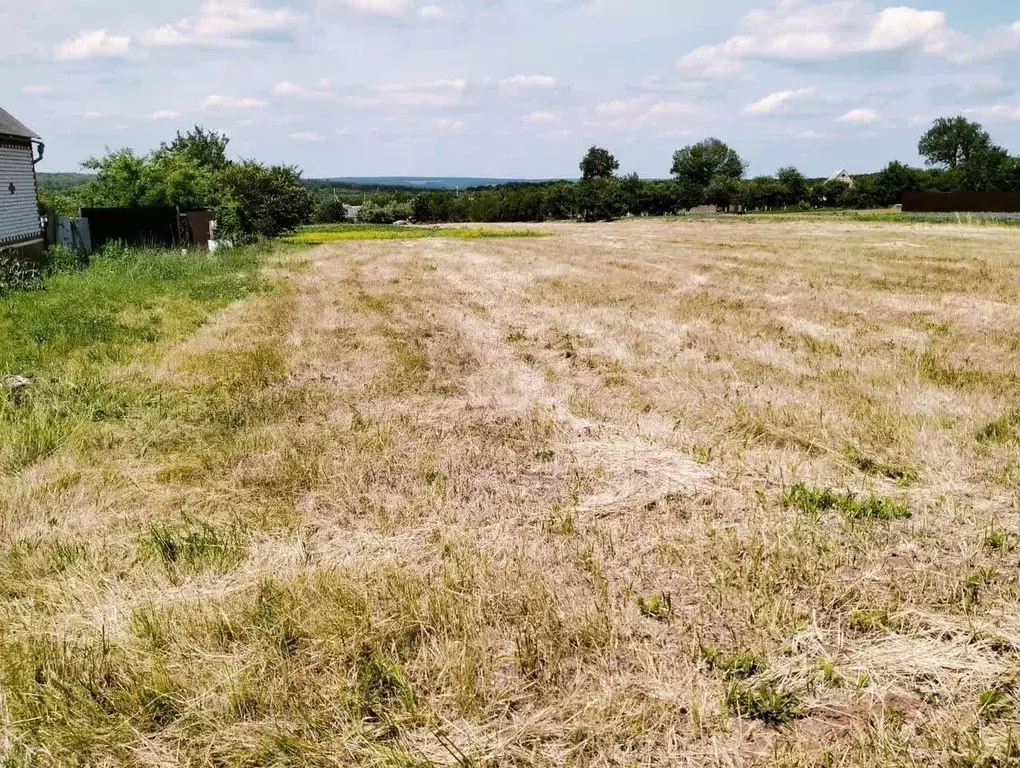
x=619, y=107
x=307, y=136
x=380, y=7
x=797, y=31
x=223, y=24
x=432, y=12
x=434, y=94
x=449, y=124
x=37, y=89
x=320, y=91
x=777, y=102
x=215, y=101
x=670, y=109
x=642, y=109
x=538, y=118
x=809, y=135
x=165, y=114
x=93, y=44
x=996, y=42
x=862, y=116
x=523, y=82
x=996, y=112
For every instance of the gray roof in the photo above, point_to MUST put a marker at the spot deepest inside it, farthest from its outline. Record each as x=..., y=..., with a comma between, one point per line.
x=9, y=126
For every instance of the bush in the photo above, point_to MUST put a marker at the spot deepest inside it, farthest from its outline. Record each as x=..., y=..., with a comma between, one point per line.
x=330, y=211
x=261, y=201
x=61, y=260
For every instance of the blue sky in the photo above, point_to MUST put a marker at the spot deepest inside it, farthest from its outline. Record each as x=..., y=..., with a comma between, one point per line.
x=516, y=88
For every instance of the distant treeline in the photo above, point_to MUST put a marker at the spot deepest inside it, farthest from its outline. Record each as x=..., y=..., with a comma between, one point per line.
x=959, y=157
x=252, y=200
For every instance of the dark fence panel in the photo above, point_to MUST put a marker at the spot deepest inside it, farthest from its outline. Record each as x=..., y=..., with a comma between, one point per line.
x=961, y=202
x=133, y=226
x=195, y=228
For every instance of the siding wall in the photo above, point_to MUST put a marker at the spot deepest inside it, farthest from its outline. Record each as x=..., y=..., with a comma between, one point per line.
x=19, y=212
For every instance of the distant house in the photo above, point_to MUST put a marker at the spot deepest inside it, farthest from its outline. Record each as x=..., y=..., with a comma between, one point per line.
x=20, y=227
x=842, y=177
x=351, y=212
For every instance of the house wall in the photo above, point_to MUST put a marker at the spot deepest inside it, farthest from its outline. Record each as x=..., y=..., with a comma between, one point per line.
x=19, y=211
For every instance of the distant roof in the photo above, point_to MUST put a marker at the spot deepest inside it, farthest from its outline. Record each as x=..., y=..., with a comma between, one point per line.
x=837, y=174
x=9, y=126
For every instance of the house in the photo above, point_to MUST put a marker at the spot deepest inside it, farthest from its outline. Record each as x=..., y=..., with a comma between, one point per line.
x=842, y=177
x=20, y=227
x=351, y=212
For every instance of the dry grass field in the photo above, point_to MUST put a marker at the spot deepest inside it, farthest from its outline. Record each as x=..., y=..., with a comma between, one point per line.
x=704, y=493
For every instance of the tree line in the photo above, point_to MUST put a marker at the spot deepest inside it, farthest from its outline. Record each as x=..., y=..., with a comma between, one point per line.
x=959, y=157
x=252, y=200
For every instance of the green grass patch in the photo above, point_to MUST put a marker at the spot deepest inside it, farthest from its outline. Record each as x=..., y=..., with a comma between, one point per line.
x=68, y=333
x=815, y=501
x=333, y=233
x=1001, y=430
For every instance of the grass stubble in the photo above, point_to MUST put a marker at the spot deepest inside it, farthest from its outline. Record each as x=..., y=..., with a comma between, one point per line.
x=651, y=493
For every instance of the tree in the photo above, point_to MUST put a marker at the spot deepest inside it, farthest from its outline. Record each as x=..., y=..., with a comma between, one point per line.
x=206, y=148
x=260, y=201
x=952, y=141
x=330, y=211
x=698, y=164
x=561, y=201
x=794, y=184
x=119, y=181
x=892, y=181
x=598, y=163
x=723, y=191
x=600, y=199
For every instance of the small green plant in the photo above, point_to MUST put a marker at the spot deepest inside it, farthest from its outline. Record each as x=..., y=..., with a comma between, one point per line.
x=994, y=704
x=545, y=456
x=976, y=582
x=998, y=540
x=815, y=501
x=869, y=619
x=516, y=334
x=811, y=500
x=830, y=671
x=703, y=454
x=876, y=508
x=658, y=607
x=766, y=702
x=561, y=523
x=735, y=665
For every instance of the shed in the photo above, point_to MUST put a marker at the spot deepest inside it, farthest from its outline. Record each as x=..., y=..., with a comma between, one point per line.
x=20, y=227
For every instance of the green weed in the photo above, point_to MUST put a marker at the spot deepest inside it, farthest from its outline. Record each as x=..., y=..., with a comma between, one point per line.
x=658, y=607
x=994, y=704
x=766, y=702
x=736, y=665
x=815, y=501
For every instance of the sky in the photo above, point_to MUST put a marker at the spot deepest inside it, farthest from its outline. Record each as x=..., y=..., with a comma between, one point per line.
x=510, y=88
